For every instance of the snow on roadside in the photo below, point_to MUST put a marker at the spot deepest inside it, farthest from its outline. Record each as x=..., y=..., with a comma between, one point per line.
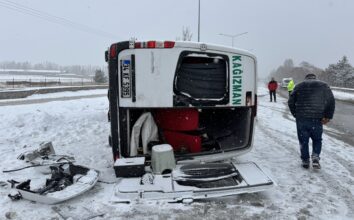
x=343, y=96
x=69, y=94
x=60, y=95
x=79, y=128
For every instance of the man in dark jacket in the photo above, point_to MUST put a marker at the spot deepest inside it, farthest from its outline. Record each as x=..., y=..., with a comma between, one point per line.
x=312, y=104
x=272, y=87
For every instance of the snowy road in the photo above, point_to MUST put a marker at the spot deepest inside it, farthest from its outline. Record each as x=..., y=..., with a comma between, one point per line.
x=79, y=128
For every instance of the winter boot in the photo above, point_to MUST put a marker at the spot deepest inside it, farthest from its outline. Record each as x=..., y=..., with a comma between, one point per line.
x=305, y=164
x=316, y=164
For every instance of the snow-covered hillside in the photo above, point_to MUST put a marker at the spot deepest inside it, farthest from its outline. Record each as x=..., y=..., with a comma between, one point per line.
x=80, y=128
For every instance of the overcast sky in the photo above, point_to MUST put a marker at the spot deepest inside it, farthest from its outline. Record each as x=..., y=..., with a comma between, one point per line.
x=317, y=31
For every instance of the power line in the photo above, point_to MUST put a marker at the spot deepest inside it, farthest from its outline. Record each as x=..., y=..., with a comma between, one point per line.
x=54, y=19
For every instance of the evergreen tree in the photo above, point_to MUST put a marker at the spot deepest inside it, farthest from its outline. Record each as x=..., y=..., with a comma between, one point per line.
x=341, y=73
x=100, y=77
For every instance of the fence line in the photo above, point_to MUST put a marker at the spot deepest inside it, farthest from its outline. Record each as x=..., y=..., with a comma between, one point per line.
x=45, y=82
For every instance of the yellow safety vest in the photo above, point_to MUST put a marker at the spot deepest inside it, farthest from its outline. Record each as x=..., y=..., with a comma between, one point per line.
x=291, y=85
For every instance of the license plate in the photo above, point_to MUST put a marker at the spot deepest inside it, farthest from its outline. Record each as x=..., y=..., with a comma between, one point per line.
x=125, y=79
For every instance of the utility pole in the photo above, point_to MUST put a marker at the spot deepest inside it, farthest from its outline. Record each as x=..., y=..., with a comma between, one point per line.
x=198, y=20
x=233, y=36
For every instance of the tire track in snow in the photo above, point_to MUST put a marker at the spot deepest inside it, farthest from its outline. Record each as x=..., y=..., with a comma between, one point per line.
x=291, y=189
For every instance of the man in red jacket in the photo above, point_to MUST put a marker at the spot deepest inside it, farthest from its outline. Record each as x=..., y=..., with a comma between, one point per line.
x=272, y=86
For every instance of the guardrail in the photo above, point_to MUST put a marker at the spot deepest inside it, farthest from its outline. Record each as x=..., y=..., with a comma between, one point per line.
x=342, y=89
x=44, y=82
x=15, y=94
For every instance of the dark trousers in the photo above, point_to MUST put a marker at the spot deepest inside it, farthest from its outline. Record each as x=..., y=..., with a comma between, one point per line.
x=306, y=129
x=274, y=94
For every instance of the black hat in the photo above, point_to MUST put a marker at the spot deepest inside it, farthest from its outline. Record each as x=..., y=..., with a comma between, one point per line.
x=310, y=76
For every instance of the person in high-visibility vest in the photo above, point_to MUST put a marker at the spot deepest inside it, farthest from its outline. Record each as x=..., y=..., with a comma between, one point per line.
x=291, y=86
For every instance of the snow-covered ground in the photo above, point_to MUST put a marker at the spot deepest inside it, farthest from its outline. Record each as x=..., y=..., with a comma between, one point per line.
x=80, y=128
x=343, y=96
x=60, y=95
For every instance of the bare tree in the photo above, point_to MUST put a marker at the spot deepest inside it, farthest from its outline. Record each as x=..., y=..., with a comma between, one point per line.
x=186, y=34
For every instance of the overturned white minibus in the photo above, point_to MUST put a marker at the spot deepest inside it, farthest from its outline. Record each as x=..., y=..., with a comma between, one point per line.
x=179, y=112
